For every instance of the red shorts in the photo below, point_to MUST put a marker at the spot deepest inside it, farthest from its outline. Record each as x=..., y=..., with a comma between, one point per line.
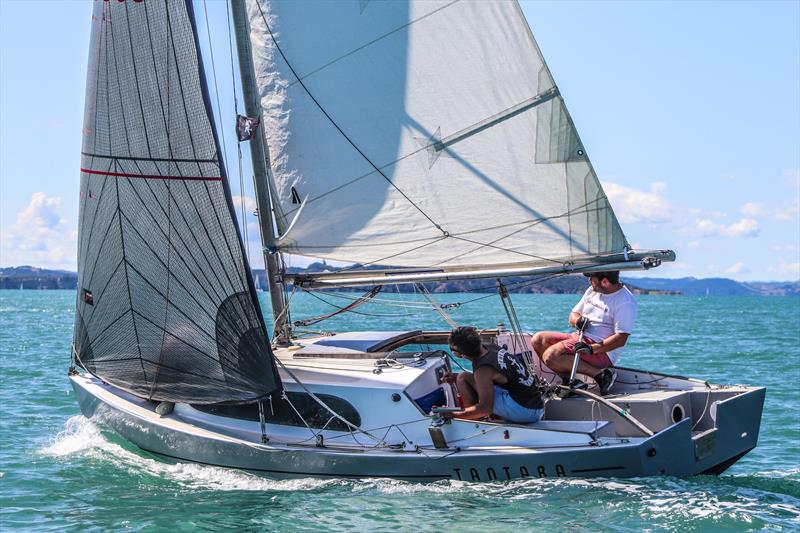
x=569, y=340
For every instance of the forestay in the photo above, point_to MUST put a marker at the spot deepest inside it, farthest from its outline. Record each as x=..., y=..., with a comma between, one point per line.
x=422, y=133
x=166, y=306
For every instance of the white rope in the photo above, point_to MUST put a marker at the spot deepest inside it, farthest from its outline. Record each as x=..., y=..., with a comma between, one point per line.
x=323, y=404
x=436, y=306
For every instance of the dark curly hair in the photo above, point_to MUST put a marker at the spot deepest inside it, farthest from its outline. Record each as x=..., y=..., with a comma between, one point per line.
x=465, y=340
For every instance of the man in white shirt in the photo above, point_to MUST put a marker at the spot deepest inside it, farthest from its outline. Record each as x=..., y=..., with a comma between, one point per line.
x=606, y=315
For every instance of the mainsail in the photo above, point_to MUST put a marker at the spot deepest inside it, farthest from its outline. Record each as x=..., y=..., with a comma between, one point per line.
x=166, y=306
x=422, y=134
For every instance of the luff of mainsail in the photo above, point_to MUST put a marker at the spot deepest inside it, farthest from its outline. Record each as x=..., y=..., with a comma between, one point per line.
x=166, y=307
x=262, y=181
x=423, y=134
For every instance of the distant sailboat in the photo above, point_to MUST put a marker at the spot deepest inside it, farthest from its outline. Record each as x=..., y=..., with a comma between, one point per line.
x=424, y=136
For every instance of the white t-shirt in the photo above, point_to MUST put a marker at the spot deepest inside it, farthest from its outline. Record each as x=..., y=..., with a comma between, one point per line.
x=609, y=314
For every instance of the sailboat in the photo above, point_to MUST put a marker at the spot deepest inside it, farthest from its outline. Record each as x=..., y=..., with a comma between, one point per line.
x=417, y=140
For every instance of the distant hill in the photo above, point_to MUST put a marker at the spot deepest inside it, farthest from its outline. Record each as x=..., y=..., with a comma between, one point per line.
x=32, y=278
x=28, y=277
x=720, y=287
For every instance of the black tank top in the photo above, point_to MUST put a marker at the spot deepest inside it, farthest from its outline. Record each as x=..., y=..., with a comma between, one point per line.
x=521, y=385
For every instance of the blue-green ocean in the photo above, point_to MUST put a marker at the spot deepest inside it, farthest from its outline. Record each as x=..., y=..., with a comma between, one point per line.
x=60, y=472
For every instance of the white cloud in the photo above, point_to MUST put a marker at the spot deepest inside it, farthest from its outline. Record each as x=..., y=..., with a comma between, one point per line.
x=637, y=207
x=40, y=236
x=737, y=268
x=752, y=209
x=785, y=248
x=789, y=211
x=249, y=204
x=746, y=227
x=696, y=211
x=727, y=177
x=693, y=244
x=791, y=269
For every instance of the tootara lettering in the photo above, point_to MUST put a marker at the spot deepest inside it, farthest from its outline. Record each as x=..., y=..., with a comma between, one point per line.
x=506, y=472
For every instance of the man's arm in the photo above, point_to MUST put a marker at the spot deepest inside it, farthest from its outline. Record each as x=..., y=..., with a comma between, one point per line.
x=484, y=386
x=617, y=340
x=573, y=319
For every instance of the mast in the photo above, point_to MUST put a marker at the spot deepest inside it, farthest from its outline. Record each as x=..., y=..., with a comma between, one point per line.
x=259, y=153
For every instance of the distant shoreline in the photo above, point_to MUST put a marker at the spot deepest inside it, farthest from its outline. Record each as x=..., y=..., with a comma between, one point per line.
x=33, y=278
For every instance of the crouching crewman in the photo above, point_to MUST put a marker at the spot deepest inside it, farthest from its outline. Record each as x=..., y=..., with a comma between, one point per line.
x=499, y=384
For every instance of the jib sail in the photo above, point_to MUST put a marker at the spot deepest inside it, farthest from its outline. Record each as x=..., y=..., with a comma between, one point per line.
x=166, y=305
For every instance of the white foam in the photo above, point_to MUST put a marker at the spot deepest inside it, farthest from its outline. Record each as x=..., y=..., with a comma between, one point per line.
x=82, y=438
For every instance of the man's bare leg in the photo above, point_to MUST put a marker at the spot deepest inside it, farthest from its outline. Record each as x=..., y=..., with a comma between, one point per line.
x=543, y=340
x=466, y=388
x=560, y=360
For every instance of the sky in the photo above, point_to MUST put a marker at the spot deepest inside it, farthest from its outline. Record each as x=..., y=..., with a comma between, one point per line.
x=689, y=111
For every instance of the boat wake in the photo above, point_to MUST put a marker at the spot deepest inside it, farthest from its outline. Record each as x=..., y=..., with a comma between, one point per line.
x=761, y=496
x=82, y=438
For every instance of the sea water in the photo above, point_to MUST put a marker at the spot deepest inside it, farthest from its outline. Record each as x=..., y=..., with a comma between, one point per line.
x=61, y=472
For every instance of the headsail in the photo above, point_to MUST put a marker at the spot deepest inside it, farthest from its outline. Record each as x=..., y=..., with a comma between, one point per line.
x=422, y=134
x=166, y=306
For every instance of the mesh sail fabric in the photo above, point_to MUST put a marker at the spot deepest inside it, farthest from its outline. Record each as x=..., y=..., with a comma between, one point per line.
x=422, y=133
x=166, y=307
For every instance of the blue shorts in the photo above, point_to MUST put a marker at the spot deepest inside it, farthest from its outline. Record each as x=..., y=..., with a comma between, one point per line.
x=509, y=409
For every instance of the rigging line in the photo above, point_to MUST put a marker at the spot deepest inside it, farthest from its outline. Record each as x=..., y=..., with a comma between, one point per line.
x=532, y=223
x=529, y=223
x=284, y=311
x=517, y=284
x=370, y=43
x=323, y=404
x=436, y=306
x=388, y=243
x=360, y=312
x=339, y=129
x=243, y=209
x=230, y=50
x=516, y=327
x=376, y=301
x=285, y=397
x=356, y=303
x=488, y=245
x=382, y=259
x=216, y=87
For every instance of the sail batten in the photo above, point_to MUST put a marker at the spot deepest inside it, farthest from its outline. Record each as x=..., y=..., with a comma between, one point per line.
x=167, y=307
x=417, y=120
